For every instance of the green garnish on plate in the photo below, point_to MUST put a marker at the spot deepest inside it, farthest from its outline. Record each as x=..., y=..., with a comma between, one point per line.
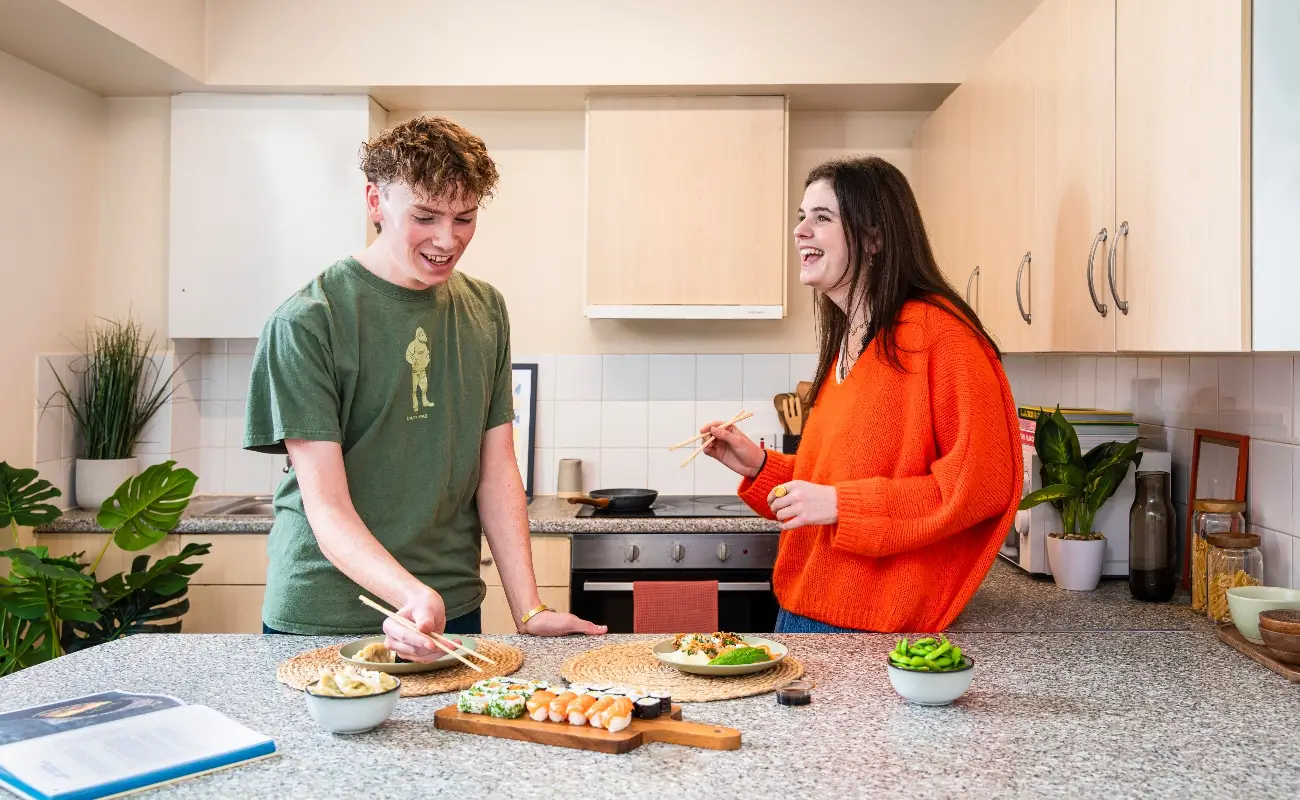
x=741, y=655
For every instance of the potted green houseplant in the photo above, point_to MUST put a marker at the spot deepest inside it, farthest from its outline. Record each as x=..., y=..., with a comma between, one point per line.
x=54, y=605
x=122, y=387
x=1077, y=485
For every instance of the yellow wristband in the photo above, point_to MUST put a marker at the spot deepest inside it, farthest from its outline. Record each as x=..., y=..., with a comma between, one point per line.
x=532, y=614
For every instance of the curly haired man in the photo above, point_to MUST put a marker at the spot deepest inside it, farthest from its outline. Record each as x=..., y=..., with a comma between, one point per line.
x=388, y=495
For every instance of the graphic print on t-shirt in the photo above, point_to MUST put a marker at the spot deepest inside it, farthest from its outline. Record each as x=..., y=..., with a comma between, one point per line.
x=417, y=355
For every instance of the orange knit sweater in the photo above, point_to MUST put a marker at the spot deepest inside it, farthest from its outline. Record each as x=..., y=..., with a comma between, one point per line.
x=928, y=470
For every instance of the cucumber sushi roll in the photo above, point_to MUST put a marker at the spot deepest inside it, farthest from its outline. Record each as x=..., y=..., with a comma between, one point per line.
x=473, y=701
x=665, y=702
x=507, y=706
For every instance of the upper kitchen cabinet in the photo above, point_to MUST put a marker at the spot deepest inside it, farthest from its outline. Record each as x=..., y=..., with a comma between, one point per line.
x=1182, y=273
x=687, y=207
x=265, y=193
x=941, y=166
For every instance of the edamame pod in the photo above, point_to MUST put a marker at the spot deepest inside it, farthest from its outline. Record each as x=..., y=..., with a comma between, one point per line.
x=933, y=654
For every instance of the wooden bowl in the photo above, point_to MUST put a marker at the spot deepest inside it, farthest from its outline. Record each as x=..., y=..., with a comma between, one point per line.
x=1283, y=646
x=1280, y=620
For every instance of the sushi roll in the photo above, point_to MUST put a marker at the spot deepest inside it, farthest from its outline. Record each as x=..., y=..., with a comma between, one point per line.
x=490, y=686
x=539, y=705
x=618, y=716
x=520, y=689
x=665, y=702
x=577, y=709
x=578, y=688
x=647, y=708
x=506, y=706
x=594, y=714
x=537, y=686
x=557, y=709
x=600, y=687
x=473, y=701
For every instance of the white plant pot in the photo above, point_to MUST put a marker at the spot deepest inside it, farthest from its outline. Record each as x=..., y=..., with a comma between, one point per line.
x=97, y=480
x=1076, y=564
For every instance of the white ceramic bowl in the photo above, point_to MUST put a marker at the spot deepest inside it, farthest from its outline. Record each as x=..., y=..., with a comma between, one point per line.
x=932, y=688
x=352, y=714
x=1246, y=602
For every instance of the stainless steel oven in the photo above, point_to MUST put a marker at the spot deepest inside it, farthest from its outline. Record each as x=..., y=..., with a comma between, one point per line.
x=605, y=565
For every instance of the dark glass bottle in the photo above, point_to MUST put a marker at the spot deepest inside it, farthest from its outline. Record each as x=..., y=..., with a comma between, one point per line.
x=1152, y=540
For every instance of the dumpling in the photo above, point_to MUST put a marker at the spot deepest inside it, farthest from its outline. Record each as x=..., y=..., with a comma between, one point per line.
x=376, y=653
x=353, y=682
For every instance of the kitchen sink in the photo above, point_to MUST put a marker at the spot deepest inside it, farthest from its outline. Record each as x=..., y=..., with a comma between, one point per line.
x=249, y=505
x=252, y=509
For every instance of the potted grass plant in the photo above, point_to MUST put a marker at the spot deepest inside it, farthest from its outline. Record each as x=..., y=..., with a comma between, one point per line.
x=1077, y=485
x=120, y=389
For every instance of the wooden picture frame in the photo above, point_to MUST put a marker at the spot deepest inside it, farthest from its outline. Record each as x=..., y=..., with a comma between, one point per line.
x=1235, y=440
x=523, y=389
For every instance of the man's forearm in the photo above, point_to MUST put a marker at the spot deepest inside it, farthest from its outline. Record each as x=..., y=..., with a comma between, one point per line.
x=503, y=509
x=349, y=545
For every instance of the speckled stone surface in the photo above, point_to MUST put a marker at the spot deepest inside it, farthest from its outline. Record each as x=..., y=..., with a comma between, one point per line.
x=546, y=515
x=1010, y=600
x=1077, y=715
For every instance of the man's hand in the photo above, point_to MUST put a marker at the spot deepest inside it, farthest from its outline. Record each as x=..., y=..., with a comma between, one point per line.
x=555, y=623
x=805, y=503
x=429, y=614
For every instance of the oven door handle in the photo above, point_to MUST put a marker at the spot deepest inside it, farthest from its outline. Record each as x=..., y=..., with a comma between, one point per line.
x=597, y=586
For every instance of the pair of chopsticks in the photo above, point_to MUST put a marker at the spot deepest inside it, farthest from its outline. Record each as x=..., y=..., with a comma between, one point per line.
x=708, y=437
x=406, y=623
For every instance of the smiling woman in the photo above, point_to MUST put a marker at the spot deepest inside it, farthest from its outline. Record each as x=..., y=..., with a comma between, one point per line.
x=909, y=466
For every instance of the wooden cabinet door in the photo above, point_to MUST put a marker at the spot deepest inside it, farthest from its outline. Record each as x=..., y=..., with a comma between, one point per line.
x=1074, y=145
x=687, y=206
x=1181, y=116
x=946, y=170
x=1002, y=196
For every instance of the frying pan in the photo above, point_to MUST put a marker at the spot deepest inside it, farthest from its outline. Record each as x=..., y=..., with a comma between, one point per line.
x=618, y=499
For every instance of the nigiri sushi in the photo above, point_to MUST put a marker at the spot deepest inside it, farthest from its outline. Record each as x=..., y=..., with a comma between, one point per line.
x=594, y=718
x=618, y=716
x=557, y=710
x=539, y=704
x=578, y=707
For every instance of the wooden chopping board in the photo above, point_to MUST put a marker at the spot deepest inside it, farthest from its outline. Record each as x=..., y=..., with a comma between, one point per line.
x=1229, y=635
x=670, y=729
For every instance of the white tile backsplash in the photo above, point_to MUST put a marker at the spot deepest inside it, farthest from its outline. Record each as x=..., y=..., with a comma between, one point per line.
x=1269, y=485
x=803, y=367
x=666, y=473
x=672, y=377
x=212, y=383
x=1272, y=399
x=590, y=458
x=1087, y=383
x=623, y=468
x=1105, y=394
x=623, y=423
x=1278, y=550
x=577, y=424
x=1235, y=394
x=238, y=368
x=1175, y=376
x=49, y=433
x=625, y=378
x=670, y=422
x=545, y=374
x=1126, y=376
x=1203, y=393
x=545, y=423
x=157, y=435
x=766, y=375
x=578, y=377
x=719, y=377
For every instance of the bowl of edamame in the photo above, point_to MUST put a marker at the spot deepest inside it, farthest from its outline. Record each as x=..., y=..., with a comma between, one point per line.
x=930, y=671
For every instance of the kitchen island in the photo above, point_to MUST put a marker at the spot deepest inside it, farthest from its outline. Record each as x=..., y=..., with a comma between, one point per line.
x=1068, y=714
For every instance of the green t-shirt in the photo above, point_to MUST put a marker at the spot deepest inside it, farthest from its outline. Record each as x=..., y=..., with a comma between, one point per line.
x=407, y=382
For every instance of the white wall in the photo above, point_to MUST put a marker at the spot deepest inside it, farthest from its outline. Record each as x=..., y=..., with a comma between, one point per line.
x=50, y=157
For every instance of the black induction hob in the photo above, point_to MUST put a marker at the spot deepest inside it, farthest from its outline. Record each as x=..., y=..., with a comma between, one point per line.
x=666, y=506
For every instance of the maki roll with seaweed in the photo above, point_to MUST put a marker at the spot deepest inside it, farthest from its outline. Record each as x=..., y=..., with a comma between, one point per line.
x=647, y=708
x=665, y=702
x=507, y=706
x=473, y=701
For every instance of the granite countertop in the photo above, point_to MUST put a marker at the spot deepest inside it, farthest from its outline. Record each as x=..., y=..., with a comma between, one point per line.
x=1079, y=714
x=546, y=515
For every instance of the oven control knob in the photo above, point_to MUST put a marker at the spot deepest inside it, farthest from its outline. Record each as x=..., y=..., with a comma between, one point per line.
x=633, y=552
x=677, y=552
x=724, y=552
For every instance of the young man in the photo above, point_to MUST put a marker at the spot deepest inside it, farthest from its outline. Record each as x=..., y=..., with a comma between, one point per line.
x=387, y=381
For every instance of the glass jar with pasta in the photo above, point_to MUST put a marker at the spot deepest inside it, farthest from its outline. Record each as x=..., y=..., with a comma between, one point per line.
x=1234, y=560
x=1208, y=518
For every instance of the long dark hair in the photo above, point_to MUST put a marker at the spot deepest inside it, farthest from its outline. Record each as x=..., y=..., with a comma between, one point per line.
x=877, y=204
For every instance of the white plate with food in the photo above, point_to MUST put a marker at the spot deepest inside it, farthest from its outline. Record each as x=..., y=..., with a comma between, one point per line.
x=719, y=654
x=370, y=653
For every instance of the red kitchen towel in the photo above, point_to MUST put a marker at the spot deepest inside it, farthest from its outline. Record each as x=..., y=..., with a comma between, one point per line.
x=674, y=606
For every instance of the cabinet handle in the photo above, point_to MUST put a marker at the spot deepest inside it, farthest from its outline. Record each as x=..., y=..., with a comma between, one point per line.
x=1027, y=317
x=485, y=562
x=1122, y=305
x=973, y=274
x=1092, y=289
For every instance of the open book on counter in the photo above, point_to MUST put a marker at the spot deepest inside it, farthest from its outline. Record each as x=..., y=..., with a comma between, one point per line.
x=116, y=743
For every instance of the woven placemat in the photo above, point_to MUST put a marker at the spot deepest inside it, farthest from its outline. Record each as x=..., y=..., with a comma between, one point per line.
x=633, y=664
x=305, y=668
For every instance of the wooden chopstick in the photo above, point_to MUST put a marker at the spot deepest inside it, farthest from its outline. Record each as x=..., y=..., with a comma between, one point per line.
x=743, y=415
x=456, y=645
x=739, y=418
x=406, y=623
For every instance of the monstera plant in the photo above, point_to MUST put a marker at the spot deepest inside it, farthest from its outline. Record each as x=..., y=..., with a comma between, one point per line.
x=50, y=606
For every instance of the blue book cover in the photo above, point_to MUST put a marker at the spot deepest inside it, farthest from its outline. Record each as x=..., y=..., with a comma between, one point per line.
x=115, y=743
